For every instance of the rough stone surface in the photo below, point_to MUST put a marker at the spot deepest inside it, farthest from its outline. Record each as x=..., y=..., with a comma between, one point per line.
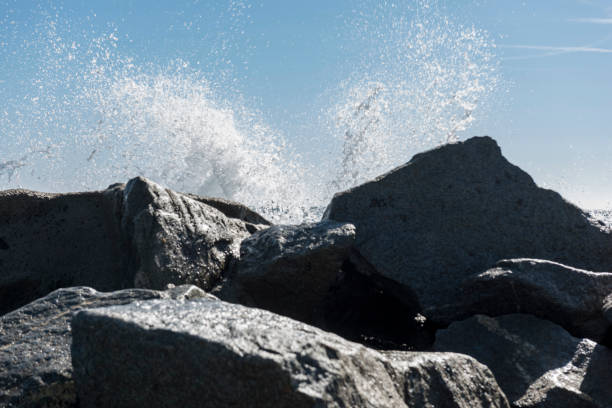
x=455, y=211
x=35, y=340
x=444, y=380
x=217, y=354
x=570, y=297
x=536, y=362
x=48, y=241
x=177, y=239
x=290, y=269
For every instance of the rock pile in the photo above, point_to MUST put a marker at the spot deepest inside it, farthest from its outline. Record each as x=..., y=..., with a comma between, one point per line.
x=451, y=281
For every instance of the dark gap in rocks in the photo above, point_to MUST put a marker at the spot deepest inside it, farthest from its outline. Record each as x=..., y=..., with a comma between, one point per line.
x=16, y=294
x=3, y=245
x=376, y=312
x=607, y=338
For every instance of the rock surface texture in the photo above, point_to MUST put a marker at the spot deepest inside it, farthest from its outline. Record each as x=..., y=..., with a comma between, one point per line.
x=570, y=297
x=290, y=269
x=455, y=211
x=138, y=234
x=35, y=340
x=176, y=239
x=535, y=362
x=216, y=354
x=439, y=380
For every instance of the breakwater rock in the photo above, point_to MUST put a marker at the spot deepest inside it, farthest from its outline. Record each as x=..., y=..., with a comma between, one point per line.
x=457, y=251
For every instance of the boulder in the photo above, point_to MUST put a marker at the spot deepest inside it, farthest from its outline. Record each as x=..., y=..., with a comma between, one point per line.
x=48, y=241
x=310, y=273
x=176, y=239
x=570, y=297
x=290, y=269
x=35, y=340
x=444, y=380
x=215, y=354
x=536, y=362
x=455, y=211
x=138, y=234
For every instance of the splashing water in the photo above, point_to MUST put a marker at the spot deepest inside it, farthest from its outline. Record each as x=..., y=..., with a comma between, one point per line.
x=95, y=117
x=419, y=84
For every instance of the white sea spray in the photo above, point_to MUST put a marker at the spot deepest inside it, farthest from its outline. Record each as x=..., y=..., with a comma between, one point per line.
x=92, y=115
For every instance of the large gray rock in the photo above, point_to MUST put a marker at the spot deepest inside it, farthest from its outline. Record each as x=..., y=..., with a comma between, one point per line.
x=444, y=380
x=176, y=239
x=290, y=269
x=455, y=211
x=48, y=241
x=216, y=354
x=35, y=340
x=535, y=362
x=570, y=297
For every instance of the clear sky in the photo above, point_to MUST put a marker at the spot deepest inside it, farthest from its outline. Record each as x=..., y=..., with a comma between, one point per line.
x=551, y=110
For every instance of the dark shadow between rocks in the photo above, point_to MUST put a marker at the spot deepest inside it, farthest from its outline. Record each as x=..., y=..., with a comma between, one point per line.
x=607, y=338
x=597, y=376
x=12, y=295
x=375, y=311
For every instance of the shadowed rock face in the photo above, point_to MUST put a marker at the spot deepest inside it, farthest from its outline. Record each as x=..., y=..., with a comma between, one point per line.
x=535, y=362
x=138, y=234
x=232, y=209
x=35, y=363
x=455, y=211
x=50, y=241
x=215, y=354
x=290, y=269
x=309, y=272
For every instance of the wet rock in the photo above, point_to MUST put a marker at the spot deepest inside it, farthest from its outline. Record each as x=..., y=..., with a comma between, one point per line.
x=48, y=241
x=536, y=362
x=445, y=380
x=35, y=363
x=176, y=239
x=216, y=354
x=455, y=211
x=290, y=269
x=570, y=297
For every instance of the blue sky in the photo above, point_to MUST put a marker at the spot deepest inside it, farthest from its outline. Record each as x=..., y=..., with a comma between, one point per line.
x=551, y=112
